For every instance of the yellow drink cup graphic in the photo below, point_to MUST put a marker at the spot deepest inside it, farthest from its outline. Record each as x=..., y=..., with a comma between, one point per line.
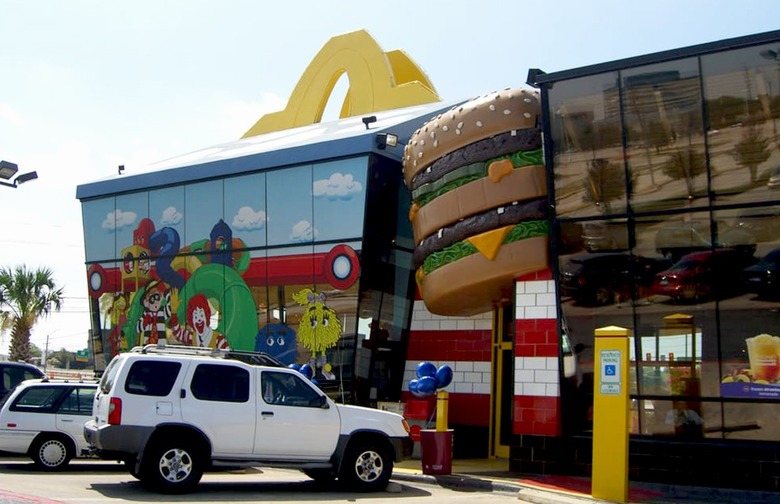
x=764, y=355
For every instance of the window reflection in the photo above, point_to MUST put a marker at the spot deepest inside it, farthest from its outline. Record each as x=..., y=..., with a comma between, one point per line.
x=588, y=153
x=664, y=130
x=742, y=90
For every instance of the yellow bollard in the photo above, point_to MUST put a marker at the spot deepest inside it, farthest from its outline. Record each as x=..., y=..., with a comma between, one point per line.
x=442, y=398
x=611, y=415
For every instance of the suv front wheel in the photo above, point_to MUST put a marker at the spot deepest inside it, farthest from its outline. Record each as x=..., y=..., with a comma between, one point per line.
x=366, y=467
x=173, y=466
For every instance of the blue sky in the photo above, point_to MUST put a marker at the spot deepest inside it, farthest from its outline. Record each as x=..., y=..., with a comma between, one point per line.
x=89, y=85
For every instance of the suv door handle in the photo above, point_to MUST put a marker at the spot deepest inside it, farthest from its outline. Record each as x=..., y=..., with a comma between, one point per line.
x=182, y=394
x=267, y=413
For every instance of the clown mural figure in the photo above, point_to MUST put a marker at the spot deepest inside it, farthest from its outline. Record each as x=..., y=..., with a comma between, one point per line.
x=318, y=330
x=157, y=311
x=197, y=331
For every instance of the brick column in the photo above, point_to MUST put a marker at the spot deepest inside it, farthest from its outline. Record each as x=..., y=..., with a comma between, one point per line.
x=537, y=401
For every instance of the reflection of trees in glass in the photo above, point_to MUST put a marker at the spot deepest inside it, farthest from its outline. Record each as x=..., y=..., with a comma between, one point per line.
x=605, y=182
x=685, y=164
x=752, y=150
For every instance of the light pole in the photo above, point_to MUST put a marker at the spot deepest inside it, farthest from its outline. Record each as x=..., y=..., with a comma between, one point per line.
x=9, y=169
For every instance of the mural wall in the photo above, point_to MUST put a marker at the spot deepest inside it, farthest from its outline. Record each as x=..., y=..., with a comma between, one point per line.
x=265, y=261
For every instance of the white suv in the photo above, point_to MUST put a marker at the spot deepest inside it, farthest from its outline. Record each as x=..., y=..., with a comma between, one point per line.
x=173, y=412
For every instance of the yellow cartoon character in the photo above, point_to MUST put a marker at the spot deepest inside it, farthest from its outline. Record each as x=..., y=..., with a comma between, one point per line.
x=319, y=328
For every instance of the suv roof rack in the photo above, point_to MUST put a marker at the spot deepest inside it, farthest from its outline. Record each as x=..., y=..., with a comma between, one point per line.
x=248, y=357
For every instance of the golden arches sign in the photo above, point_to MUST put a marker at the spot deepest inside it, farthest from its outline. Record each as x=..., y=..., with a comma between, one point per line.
x=377, y=81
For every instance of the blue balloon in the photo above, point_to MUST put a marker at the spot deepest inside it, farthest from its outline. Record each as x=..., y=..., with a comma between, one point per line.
x=443, y=376
x=294, y=366
x=426, y=385
x=414, y=388
x=426, y=369
x=315, y=382
x=307, y=371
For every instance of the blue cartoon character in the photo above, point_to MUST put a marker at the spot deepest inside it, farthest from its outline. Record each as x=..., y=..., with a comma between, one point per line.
x=278, y=340
x=318, y=330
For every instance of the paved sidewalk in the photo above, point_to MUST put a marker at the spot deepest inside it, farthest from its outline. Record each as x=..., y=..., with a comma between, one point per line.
x=493, y=475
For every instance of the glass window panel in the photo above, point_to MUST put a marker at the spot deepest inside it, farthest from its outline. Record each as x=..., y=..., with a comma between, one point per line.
x=245, y=209
x=166, y=209
x=742, y=89
x=203, y=212
x=665, y=135
x=290, y=219
x=751, y=421
x=588, y=153
x=99, y=229
x=339, y=191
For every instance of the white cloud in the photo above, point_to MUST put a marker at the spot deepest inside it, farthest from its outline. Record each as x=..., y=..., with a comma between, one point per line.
x=337, y=186
x=118, y=219
x=303, y=232
x=170, y=216
x=247, y=219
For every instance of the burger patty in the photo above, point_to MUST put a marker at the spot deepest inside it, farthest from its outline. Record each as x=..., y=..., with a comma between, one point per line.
x=479, y=151
x=470, y=226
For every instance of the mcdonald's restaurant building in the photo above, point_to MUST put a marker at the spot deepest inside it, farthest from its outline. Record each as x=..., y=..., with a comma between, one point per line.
x=663, y=206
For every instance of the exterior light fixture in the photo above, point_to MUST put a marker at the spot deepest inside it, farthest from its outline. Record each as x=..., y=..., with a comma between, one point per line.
x=384, y=140
x=8, y=170
x=368, y=120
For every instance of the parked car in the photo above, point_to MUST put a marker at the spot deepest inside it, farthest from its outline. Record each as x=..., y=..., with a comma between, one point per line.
x=600, y=278
x=763, y=278
x=677, y=239
x=173, y=412
x=703, y=275
x=44, y=419
x=13, y=373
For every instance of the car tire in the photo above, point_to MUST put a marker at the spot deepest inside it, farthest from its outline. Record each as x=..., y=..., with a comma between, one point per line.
x=172, y=466
x=367, y=467
x=52, y=452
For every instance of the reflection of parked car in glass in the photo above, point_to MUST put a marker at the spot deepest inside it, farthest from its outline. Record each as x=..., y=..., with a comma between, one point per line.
x=763, y=278
x=602, y=236
x=763, y=223
x=600, y=278
x=676, y=239
x=703, y=275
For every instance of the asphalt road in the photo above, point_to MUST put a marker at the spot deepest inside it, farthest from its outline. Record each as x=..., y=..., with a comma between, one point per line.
x=97, y=482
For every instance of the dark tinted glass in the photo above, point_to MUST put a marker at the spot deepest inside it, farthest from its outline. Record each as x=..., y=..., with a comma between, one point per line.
x=220, y=383
x=152, y=378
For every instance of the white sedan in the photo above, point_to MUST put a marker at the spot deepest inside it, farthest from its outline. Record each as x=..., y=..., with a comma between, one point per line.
x=44, y=419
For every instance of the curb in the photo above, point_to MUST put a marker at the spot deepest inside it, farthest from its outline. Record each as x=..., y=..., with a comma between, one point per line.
x=459, y=481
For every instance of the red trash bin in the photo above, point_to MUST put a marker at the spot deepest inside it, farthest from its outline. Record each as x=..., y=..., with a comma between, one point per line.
x=436, y=447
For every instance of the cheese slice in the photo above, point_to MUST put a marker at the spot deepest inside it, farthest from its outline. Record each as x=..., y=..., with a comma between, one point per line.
x=489, y=242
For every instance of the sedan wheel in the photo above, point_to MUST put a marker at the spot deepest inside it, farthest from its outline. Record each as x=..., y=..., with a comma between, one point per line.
x=51, y=453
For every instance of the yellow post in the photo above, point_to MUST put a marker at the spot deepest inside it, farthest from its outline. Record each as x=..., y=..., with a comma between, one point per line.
x=442, y=398
x=611, y=415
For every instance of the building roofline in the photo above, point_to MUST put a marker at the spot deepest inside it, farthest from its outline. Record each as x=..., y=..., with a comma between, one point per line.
x=538, y=78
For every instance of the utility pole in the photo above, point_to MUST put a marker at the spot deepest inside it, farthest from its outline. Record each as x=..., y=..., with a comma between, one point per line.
x=46, y=353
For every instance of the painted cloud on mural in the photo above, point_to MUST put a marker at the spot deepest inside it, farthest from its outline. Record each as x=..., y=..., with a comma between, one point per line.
x=248, y=219
x=118, y=219
x=337, y=186
x=303, y=231
x=171, y=216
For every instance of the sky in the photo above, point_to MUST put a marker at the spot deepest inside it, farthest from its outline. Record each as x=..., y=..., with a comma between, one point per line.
x=86, y=86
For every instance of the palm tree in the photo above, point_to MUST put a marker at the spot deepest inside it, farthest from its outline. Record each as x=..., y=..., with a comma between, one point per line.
x=25, y=296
